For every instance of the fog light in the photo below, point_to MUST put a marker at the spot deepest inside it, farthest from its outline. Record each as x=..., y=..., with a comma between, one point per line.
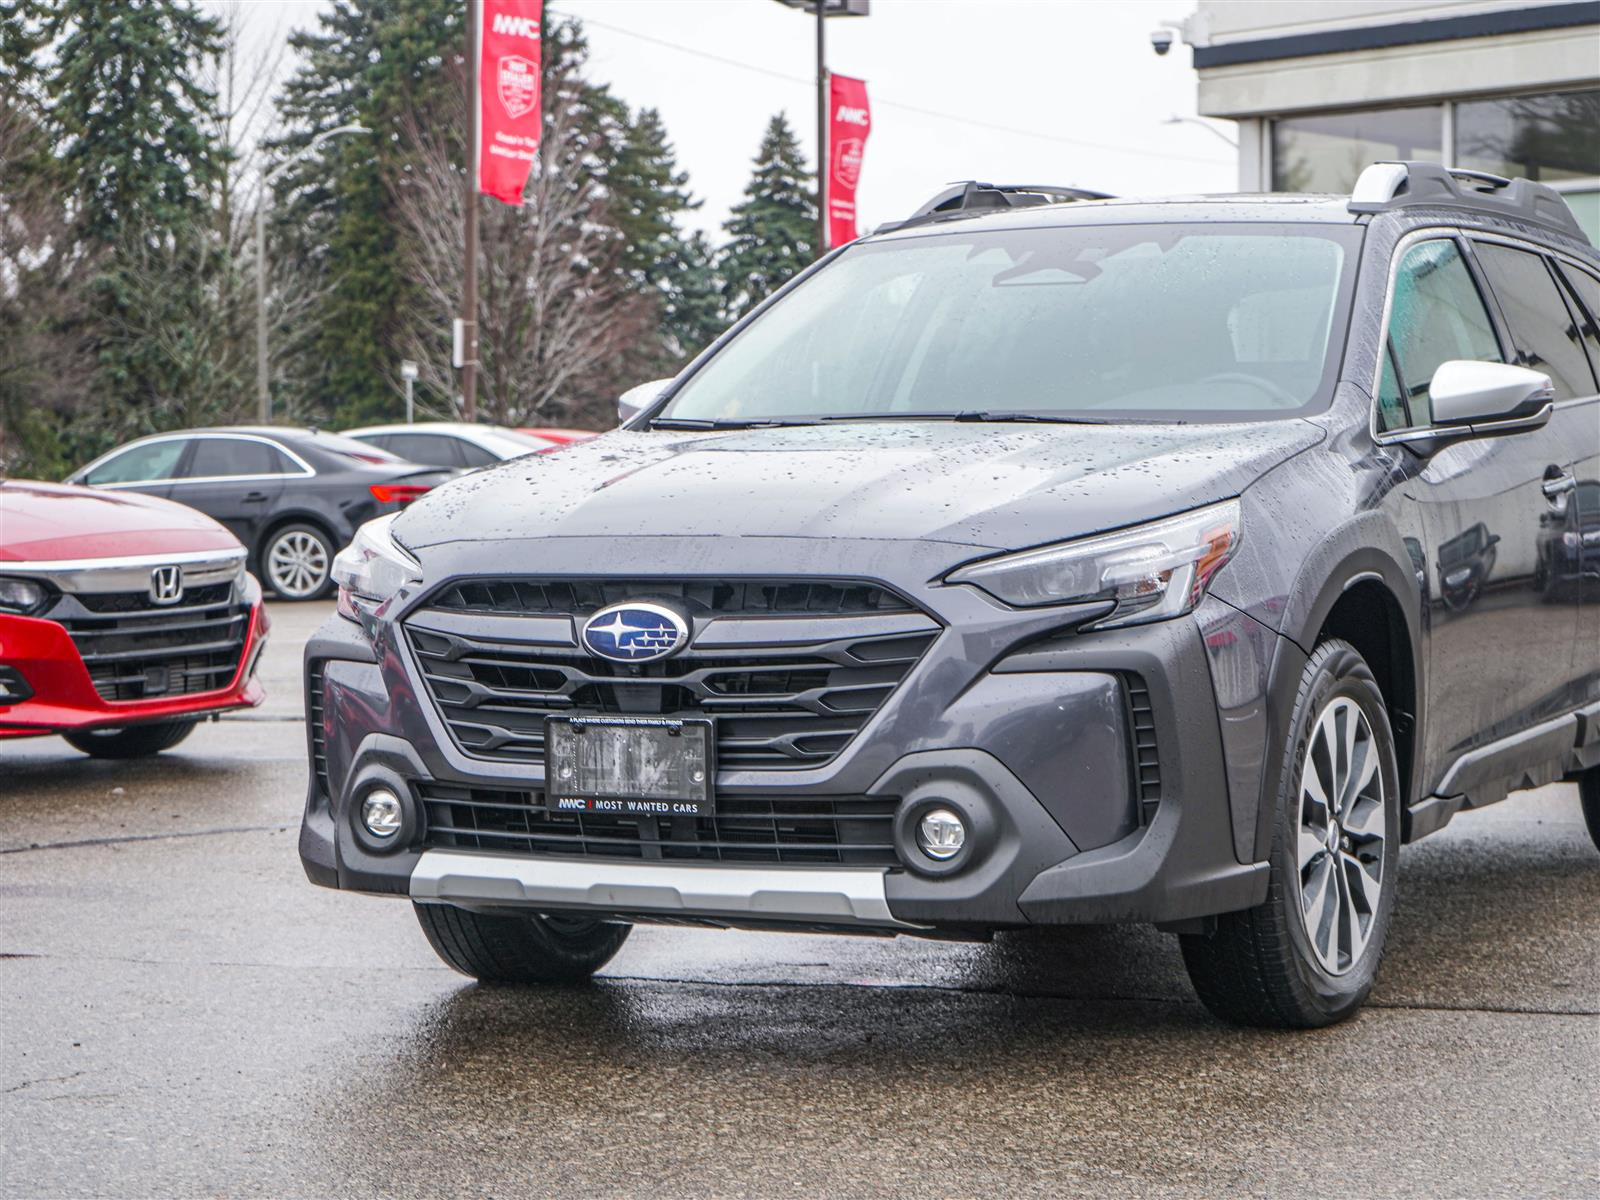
x=941, y=834
x=380, y=813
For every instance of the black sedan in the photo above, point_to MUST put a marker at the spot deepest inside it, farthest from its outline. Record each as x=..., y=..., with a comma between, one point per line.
x=294, y=497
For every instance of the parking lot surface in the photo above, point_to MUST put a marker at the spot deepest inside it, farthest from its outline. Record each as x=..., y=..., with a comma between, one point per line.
x=183, y=1014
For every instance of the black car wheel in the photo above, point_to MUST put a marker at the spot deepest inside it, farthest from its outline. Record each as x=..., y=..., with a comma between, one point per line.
x=133, y=741
x=297, y=562
x=1309, y=954
x=1589, y=797
x=532, y=949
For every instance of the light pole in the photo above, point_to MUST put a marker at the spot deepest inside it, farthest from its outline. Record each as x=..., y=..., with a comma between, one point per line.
x=1175, y=119
x=825, y=9
x=263, y=393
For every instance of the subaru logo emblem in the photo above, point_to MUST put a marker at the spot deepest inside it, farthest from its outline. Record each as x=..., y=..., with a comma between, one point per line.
x=166, y=585
x=635, y=632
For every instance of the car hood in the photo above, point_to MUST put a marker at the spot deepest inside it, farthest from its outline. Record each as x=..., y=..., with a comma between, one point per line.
x=994, y=486
x=52, y=522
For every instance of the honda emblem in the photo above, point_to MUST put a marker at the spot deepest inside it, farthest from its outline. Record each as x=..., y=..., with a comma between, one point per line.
x=166, y=585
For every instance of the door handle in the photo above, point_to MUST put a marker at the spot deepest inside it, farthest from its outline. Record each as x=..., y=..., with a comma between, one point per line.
x=258, y=497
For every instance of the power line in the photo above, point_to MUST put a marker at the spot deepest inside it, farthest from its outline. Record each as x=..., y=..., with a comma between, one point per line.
x=911, y=108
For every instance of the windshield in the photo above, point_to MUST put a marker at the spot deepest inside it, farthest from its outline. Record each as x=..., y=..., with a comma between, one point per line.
x=1098, y=322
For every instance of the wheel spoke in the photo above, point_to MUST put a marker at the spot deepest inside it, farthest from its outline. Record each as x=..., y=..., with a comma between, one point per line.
x=1366, y=770
x=1310, y=846
x=1363, y=820
x=1320, y=906
x=1365, y=887
x=1353, y=722
x=1320, y=812
x=1357, y=914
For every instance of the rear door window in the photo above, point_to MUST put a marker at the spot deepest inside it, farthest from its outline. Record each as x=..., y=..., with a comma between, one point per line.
x=1584, y=289
x=1543, y=329
x=473, y=455
x=148, y=463
x=220, y=458
x=429, y=449
x=1435, y=315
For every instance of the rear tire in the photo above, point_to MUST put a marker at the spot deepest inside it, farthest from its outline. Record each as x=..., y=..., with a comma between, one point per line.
x=297, y=562
x=1589, y=798
x=1308, y=955
x=132, y=741
x=535, y=949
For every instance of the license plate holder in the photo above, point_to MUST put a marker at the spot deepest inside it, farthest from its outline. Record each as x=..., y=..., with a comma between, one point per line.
x=630, y=766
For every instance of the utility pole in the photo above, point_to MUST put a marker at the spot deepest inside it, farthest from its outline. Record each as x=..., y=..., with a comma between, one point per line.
x=822, y=128
x=825, y=9
x=469, y=298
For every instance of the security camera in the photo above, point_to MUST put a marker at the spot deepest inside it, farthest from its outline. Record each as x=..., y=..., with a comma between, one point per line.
x=1161, y=40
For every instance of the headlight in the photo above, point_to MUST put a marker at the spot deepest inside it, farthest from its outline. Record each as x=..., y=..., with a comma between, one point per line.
x=22, y=596
x=372, y=568
x=1150, y=572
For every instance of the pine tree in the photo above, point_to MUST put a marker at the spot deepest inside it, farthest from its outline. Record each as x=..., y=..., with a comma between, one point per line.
x=772, y=231
x=379, y=64
x=131, y=120
x=694, y=313
x=117, y=92
x=674, y=269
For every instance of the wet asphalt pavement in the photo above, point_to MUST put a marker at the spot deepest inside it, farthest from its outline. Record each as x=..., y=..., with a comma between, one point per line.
x=181, y=1013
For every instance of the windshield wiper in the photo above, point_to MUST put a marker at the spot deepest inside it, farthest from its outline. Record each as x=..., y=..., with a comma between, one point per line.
x=974, y=415
x=723, y=423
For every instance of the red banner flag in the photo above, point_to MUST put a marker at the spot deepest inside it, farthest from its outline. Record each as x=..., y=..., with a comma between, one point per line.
x=849, y=123
x=508, y=96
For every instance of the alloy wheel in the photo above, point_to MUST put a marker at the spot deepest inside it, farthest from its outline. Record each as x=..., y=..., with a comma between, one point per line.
x=297, y=565
x=1342, y=830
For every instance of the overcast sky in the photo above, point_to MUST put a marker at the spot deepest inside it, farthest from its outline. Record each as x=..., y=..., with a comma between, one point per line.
x=1019, y=91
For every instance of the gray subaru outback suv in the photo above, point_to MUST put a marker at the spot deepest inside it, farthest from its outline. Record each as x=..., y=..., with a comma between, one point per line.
x=1029, y=563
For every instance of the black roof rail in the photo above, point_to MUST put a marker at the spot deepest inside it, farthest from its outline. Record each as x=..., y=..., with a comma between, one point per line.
x=1389, y=185
x=970, y=198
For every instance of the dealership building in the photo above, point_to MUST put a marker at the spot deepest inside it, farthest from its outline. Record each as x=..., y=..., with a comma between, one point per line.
x=1320, y=88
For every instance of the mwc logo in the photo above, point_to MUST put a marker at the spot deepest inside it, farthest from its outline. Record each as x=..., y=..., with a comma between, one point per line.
x=852, y=116
x=523, y=27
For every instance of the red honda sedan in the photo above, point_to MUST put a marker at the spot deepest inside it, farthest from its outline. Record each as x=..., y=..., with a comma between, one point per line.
x=124, y=619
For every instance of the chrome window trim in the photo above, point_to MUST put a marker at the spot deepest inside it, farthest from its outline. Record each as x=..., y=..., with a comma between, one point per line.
x=306, y=469
x=131, y=574
x=1432, y=233
x=1397, y=255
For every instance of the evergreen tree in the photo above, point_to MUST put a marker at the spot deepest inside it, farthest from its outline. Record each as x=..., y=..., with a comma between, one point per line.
x=772, y=231
x=674, y=269
x=130, y=119
x=693, y=315
x=377, y=63
x=117, y=93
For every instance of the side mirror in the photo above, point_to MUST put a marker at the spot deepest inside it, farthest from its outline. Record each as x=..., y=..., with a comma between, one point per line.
x=1484, y=398
x=636, y=399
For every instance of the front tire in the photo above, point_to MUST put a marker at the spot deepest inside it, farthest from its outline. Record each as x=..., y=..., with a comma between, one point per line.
x=535, y=949
x=132, y=741
x=1308, y=955
x=1589, y=798
x=297, y=562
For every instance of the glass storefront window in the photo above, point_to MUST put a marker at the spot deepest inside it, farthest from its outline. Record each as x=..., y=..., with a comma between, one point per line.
x=1550, y=138
x=1325, y=152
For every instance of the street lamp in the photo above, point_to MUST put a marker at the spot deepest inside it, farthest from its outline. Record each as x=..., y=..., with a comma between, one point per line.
x=263, y=395
x=1175, y=119
x=825, y=8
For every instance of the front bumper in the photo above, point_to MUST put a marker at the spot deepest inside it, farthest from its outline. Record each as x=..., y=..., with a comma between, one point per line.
x=1081, y=810
x=49, y=670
